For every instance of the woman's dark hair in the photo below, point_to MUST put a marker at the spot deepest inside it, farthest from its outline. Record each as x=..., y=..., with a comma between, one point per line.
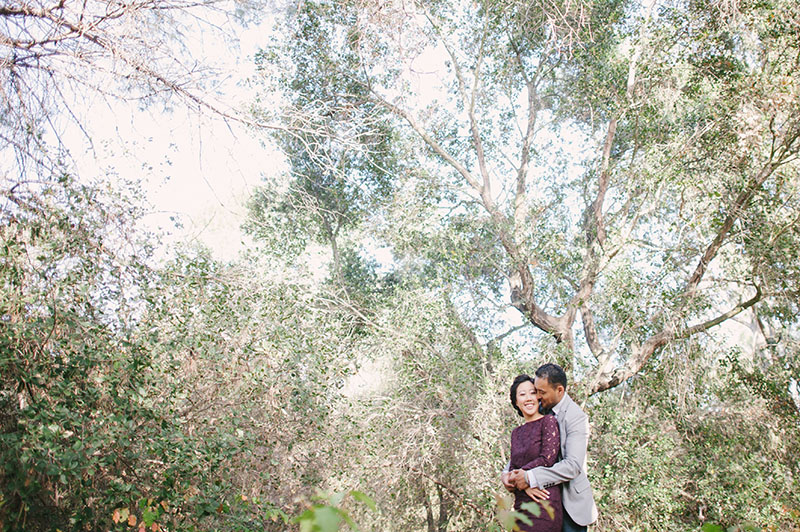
x=519, y=380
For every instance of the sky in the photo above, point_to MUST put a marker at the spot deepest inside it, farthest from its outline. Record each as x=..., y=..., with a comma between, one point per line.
x=197, y=170
x=197, y=173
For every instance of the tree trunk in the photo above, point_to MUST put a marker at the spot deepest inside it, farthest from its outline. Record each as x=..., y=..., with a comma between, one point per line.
x=444, y=504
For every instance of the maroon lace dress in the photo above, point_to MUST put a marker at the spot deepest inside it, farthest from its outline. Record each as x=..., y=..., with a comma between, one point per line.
x=534, y=444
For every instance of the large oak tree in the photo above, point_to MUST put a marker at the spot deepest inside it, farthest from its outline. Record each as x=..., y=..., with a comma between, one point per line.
x=622, y=174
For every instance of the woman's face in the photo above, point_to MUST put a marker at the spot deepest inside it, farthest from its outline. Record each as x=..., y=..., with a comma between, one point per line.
x=527, y=401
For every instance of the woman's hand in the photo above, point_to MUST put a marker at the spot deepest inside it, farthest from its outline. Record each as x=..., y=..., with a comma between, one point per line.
x=537, y=494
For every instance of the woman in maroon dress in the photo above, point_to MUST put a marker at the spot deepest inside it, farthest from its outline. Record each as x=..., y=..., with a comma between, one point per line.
x=534, y=443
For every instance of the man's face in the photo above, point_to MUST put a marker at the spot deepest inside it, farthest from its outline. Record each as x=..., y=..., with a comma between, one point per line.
x=549, y=395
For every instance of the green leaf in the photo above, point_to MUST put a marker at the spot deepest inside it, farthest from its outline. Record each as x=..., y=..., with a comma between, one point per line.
x=306, y=525
x=327, y=519
x=149, y=517
x=364, y=498
x=519, y=516
x=533, y=507
x=336, y=498
x=305, y=519
x=709, y=527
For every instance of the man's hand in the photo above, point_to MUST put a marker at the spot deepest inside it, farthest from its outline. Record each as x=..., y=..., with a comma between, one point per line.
x=507, y=482
x=518, y=477
x=537, y=494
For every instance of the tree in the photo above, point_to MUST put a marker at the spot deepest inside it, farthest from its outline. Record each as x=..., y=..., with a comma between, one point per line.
x=340, y=156
x=58, y=59
x=651, y=228
x=152, y=394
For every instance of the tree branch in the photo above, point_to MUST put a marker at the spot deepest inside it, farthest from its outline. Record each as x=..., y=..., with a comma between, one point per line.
x=590, y=330
x=432, y=144
x=89, y=32
x=700, y=327
x=458, y=496
x=595, y=224
x=527, y=139
x=485, y=190
x=610, y=379
x=734, y=213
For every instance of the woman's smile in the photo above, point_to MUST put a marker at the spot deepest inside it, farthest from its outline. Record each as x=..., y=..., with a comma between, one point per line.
x=530, y=406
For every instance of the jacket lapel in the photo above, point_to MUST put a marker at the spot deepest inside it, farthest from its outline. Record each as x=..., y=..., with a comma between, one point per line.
x=562, y=424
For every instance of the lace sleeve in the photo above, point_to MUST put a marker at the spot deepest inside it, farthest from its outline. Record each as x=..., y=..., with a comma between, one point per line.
x=551, y=443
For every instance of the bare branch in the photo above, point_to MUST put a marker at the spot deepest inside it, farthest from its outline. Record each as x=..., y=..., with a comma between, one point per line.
x=458, y=496
x=469, y=103
x=435, y=146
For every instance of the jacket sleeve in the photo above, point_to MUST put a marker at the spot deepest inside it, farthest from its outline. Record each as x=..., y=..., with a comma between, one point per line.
x=574, y=459
x=550, y=445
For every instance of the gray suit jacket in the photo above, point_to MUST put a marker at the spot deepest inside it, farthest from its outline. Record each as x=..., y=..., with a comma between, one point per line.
x=571, y=470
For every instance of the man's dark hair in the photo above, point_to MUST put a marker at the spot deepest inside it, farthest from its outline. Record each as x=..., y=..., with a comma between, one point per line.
x=519, y=380
x=553, y=373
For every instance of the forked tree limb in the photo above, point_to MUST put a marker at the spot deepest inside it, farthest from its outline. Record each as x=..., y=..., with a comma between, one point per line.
x=605, y=379
x=610, y=379
x=521, y=280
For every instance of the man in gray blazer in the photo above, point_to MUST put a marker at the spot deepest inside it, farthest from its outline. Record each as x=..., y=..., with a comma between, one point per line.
x=579, y=508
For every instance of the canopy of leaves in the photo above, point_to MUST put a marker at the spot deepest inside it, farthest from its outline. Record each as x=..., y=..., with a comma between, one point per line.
x=608, y=161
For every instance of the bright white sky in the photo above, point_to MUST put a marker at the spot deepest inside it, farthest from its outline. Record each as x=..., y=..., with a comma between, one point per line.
x=195, y=170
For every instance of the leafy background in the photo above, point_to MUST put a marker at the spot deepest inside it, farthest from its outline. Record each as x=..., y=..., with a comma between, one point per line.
x=148, y=385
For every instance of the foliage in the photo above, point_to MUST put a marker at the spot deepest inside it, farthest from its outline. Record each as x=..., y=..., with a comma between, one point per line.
x=124, y=391
x=269, y=393
x=685, y=448
x=327, y=515
x=76, y=404
x=241, y=356
x=684, y=146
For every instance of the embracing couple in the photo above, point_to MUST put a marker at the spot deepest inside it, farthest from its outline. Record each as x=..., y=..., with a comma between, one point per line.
x=548, y=453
